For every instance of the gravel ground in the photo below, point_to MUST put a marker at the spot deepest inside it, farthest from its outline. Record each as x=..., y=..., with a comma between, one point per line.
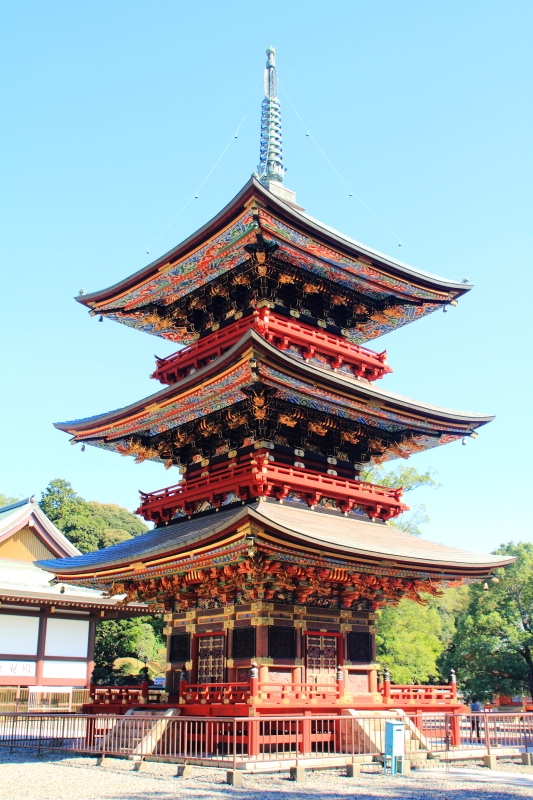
x=25, y=774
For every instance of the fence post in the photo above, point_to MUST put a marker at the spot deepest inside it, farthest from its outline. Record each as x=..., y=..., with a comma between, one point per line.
x=487, y=732
x=234, y=745
x=455, y=730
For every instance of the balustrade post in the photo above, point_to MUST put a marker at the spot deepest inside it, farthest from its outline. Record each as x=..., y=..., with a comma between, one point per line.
x=182, y=685
x=144, y=692
x=453, y=684
x=386, y=686
x=254, y=683
x=340, y=683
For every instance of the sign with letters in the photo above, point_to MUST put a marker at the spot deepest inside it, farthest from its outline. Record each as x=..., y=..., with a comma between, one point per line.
x=25, y=669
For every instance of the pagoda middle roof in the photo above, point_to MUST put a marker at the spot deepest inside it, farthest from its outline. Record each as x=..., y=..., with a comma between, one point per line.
x=330, y=534
x=218, y=247
x=219, y=385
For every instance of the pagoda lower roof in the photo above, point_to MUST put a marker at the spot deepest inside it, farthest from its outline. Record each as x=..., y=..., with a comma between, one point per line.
x=219, y=247
x=285, y=527
x=219, y=385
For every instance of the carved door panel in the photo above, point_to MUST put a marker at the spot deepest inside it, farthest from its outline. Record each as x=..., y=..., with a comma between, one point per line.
x=321, y=658
x=210, y=659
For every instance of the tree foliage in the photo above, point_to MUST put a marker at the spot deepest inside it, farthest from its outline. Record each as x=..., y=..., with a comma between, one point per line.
x=122, y=639
x=493, y=644
x=411, y=638
x=89, y=525
x=407, y=478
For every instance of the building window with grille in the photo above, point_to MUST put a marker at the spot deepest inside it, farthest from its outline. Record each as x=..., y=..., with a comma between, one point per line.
x=180, y=648
x=243, y=643
x=359, y=647
x=281, y=642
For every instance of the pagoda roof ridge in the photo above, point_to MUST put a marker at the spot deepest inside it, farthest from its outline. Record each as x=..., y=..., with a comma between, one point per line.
x=253, y=188
x=316, y=529
x=251, y=337
x=383, y=256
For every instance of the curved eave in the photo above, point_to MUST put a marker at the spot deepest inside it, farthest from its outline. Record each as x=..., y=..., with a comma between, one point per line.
x=385, y=542
x=327, y=534
x=66, y=601
x=254, y=189
x=352, y=387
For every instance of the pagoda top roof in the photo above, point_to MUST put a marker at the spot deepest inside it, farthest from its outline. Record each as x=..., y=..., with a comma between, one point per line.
x=218, y=246
x=320, y=530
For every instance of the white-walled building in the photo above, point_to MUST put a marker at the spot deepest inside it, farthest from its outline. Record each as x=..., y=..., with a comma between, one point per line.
x=46, y=631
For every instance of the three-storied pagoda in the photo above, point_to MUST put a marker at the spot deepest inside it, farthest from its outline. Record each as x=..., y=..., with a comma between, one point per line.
x=271, y=549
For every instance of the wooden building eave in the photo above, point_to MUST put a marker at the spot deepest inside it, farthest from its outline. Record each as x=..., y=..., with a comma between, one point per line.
x=252, y=345
x=323, y=533
x=254, y=191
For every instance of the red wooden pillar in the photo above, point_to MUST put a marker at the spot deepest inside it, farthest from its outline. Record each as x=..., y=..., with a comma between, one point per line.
x=41, y=644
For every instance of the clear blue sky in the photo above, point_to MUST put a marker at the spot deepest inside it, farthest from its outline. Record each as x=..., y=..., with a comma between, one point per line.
x=115, y=113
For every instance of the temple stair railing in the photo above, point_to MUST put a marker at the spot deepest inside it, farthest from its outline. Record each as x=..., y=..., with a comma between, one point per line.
x=136, y=734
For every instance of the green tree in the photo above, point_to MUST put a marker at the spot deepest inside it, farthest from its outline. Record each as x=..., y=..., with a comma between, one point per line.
x=409, y=479
x=493, y=644
x=408, y=643
x=412, y=638
x=88, y=525
x=72, y=515
x=127, y=638
x=116, y=518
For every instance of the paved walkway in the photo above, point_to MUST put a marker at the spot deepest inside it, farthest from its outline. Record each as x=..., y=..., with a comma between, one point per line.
x=486, y=776
x=24, y=774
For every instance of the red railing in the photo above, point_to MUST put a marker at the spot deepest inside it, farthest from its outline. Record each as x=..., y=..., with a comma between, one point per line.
x=422, y=695
x=301, y=693
x=215, y=692
x=246, y=742
x=281, y=332
x=257, y=477
x=126, y=695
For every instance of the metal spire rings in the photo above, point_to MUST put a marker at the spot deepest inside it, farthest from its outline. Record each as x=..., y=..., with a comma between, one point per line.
x=271, y=159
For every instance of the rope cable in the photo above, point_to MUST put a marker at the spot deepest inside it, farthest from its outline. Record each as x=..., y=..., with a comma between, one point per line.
x=338, y=174
x=202, y=184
